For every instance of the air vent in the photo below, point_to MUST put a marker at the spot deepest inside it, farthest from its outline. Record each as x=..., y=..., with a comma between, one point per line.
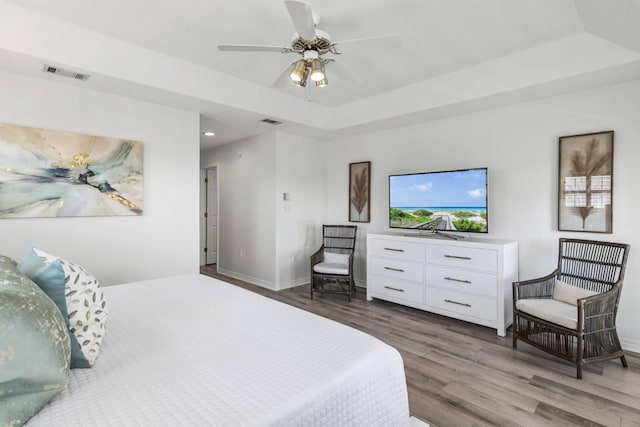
x=271, y=122
x=64, y=72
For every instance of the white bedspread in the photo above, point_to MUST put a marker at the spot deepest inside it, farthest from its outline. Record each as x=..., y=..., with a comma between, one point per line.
x=192, y=350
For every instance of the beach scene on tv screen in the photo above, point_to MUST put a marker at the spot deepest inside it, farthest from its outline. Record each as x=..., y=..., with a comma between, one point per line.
x=447, y=201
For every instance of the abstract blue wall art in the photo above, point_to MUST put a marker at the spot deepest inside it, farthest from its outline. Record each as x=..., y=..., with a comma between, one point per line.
x=48, y=173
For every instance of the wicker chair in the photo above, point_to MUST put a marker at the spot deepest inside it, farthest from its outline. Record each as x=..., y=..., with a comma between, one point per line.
x=332, y=264
x=571, y=313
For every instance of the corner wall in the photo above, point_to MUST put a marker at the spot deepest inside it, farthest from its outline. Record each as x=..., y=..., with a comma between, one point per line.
x=300, y=172
x=161, y=242
x=276, y=237
x=519, y=145
x=246, y=208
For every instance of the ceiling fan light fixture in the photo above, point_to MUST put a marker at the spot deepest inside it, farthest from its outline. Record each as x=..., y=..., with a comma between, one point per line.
x=298, y=71
x=305, y=78
x=323, y=82
x=317, y=70
x=312, y=44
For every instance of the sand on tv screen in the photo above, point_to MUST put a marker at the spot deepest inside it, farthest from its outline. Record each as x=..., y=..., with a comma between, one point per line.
x=443, y=201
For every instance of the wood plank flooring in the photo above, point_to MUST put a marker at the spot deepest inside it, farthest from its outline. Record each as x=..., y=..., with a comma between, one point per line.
x=460, y=374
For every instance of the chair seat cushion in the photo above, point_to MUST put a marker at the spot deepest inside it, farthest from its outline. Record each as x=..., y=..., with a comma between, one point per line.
x=331, y=268
x=553, y=311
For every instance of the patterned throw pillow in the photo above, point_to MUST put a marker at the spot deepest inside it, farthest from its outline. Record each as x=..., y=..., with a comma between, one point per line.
x=79, y=297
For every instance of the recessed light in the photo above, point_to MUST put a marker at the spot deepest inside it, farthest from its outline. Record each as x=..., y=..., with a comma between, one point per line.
x=209, y=133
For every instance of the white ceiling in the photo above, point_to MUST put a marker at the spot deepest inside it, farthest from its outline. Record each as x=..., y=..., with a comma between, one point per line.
x=456, y=55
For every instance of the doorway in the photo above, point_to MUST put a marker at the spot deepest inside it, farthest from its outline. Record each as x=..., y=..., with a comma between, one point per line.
x=210, y=216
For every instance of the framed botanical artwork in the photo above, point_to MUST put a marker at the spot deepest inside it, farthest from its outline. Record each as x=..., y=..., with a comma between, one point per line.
x=585, y=183
x=360, y=192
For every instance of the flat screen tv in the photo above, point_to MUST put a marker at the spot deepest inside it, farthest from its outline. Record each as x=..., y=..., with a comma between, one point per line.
x=444, y=201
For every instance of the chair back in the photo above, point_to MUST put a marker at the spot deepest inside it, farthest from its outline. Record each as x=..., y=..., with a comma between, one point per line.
x=593, y=265
x=340, y=239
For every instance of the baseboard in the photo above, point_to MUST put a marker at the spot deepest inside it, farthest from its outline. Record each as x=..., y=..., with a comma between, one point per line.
x=270, y=285
x=417, y=422
x=247, y=278
x=305, y=281
x=293, y=283
x=630, y=345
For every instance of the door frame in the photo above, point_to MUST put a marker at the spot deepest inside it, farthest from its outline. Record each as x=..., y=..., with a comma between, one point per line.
x=205, y=218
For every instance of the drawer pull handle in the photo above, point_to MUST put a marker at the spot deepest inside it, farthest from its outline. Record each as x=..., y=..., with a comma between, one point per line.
x=456, y=302
x=458, y=257
x=457, y=280
x=394, y=250
x=394, y=289
x=394, y=269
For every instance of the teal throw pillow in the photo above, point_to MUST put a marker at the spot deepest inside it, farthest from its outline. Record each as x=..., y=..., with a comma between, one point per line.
x=34, y=347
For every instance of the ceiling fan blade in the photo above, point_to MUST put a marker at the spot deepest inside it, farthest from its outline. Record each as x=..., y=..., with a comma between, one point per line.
x=282, y=80
x=252, y=48
x=385, y=42
x=343, y=73
x=302, y=18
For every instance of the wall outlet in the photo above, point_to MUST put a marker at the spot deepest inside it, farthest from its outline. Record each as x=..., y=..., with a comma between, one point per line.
x=241, y=254
x=294, y=258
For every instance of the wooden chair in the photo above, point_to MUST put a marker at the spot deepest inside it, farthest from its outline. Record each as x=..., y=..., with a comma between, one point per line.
x=571, y=313
x=332, y=264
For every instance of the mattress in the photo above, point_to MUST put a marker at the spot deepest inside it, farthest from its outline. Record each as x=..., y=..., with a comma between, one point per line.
x=193, y=350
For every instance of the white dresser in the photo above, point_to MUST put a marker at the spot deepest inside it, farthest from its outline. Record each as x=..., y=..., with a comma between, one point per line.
x=468, y=279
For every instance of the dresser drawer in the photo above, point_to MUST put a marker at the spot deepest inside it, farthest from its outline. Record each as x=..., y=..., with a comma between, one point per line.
x=397, y=269
x=408, y=251
x=464, y=257
x=463, y=280
x=468, y=305
x=396, y=289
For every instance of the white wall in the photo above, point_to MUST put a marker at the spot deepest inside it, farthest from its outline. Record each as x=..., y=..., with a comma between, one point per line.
x=300, y=172
x=519, y=145
x=246, y=207
x=164, y=240
x=276, y=237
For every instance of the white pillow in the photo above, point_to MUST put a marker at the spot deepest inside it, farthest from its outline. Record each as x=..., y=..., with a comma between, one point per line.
x=570, y=294
x=334, y=258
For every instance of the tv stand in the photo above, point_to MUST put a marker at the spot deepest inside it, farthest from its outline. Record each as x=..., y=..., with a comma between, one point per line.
x=447, y=235
x=470, y=279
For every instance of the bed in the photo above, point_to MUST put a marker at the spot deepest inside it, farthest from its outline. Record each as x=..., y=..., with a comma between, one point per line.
x=193, y=350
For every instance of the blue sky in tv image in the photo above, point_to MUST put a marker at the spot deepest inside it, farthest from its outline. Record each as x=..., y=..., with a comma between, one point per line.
x=461, y=190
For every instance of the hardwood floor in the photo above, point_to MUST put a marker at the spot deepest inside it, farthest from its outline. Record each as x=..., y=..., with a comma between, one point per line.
x=460, y=374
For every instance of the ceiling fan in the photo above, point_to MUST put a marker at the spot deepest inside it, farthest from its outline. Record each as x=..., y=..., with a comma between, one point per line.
x=312, y=44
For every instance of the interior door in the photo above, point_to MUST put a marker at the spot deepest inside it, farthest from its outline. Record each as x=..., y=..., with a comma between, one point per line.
x=202, y=230
x=212, y=216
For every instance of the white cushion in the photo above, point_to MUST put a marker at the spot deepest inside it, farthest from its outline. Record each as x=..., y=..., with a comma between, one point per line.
x=334, y=258
x=553, y=311
x=331, y=268
x=565, y=292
